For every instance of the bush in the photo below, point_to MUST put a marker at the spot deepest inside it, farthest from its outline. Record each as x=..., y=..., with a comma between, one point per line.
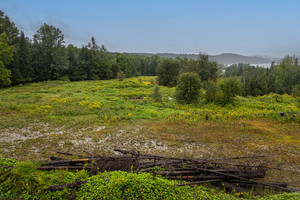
x=65, y=78
x=156, y=95
x=229, y=88
x=188, y=89
x=210, y=91
x=167, y=72
x=296, y=91
x=24, y=181
x=120, y=76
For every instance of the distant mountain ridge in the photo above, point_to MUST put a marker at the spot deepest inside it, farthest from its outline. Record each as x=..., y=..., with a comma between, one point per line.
x=224, y=58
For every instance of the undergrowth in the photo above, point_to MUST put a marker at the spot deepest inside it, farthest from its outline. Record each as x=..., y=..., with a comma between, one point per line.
x=112, y=102
x=25, y=181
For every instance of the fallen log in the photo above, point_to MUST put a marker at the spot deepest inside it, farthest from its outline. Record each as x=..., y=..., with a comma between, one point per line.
x=255, y=182
x=201, y=177
x=70, y=154
x=199, y=182
x=199, y=161
x=55, y=162
x=56, y=158
x=65, y=167
x=68, y=185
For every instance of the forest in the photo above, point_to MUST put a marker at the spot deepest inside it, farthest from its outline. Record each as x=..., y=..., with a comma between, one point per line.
x=45, y=57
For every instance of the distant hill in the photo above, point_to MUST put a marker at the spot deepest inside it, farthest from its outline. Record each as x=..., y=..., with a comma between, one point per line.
x=224, y=58
x=230, y=58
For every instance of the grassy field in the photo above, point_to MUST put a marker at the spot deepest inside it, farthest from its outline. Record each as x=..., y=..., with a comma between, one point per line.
x=38, y=119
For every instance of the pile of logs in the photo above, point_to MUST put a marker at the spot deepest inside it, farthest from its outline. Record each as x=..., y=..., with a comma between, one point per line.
x=232, y=176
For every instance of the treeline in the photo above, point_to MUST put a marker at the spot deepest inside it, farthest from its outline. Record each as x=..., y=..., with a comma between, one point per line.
x=283, y=78
x=47, y=58
x=221, y=87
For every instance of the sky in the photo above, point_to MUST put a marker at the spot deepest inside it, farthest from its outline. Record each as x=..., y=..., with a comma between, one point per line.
x=247, y=27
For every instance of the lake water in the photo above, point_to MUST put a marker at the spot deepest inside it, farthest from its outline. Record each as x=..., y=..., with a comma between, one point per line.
x=264, y=65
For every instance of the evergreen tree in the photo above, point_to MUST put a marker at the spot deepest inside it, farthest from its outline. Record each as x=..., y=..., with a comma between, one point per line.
x=52, y=56
x=85, y=61
x=104, y=64
x=287, y=75
x=206, y=69
x=24, y=62
x=76, y=70
x=9, y=28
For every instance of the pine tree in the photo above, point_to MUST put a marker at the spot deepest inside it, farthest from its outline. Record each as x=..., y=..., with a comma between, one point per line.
x=52, y=59
x=84, y=61
x=24, y=62
x=76, y=71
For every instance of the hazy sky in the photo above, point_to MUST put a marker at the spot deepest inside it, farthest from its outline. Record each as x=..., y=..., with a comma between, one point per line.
x=248, y=27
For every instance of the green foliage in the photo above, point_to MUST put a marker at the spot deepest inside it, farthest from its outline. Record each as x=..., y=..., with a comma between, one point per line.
x=280, y=78
x=76, y=71
x=5, y=75
x=284, y=196
x=257, y=81
x=8, y=27
x=296, y=91
x=188, y=88
x=24, y=59
x=167, y=72
x=287, y=75
x=207, y=70
x=229, y=88
x=50, y=53
x=24, y=181
x=156, y=95
x=120, y=76
x=6, y=51
x=211, y=90
x=6, y=57
x=122, y=185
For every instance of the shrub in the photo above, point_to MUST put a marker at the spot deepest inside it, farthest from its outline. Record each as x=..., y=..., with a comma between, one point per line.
x=24, y=181
x=95, y=77
x=296, y=91
x=167, y=72
x=156, y=95
x=210, y=91
x=229, y=88
x=188, y=89
x=65, y=78
x=120, y=76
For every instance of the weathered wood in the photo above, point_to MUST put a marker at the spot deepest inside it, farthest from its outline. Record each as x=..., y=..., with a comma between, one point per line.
x=232, y=188
x=55, y=162
x=199, y=161
x=199, y=182
x=65, y=167
x=196, y=171
x=68, y=185
x=56, y=158
x=160, y=163
x=70, y=154
x=255, y=182
x=200, y=177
